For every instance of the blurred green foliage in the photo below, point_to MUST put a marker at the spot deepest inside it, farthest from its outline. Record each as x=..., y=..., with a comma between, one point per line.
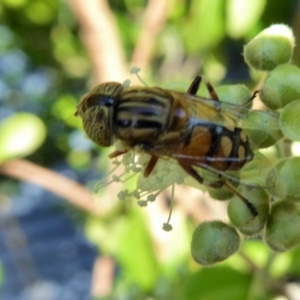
x=44, y=70
x=20, y=135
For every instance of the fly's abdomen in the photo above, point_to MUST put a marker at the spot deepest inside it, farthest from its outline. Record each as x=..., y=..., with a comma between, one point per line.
x=229, y=150
x=216, y=146
x=216, y=140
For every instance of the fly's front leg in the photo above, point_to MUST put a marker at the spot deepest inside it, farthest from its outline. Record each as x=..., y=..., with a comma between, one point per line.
x=117, y=153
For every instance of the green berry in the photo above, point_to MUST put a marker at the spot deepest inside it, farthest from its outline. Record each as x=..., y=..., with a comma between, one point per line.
x=281, y=86
x=240, y=215
x=282, y=227
x=213, y=242
x=262, y=128
x=237, y=94
x=290, y=120
x=282, y=180
x=270, y=48
x=221, y=193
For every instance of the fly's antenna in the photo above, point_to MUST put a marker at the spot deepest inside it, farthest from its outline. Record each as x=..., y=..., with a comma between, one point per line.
x=136, y=70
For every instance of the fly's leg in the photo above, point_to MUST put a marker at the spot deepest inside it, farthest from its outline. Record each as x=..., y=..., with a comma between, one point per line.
x=249, y=205
x=117, y=153
x=150, y=166
x=212, y=92
x=251, y=99
x=194, y=87
x=192, y=172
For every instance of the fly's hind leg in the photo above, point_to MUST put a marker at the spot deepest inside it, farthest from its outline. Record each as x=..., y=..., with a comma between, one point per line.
x=249, y=205
x=211, y=91
x=192, y=172
x=194, y=87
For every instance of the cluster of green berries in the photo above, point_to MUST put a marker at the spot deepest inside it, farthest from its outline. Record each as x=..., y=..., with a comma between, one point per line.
x=277, y=198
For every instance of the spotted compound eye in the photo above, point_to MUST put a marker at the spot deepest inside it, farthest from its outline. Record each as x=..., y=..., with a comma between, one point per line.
x=97, y=125
x=96, y=110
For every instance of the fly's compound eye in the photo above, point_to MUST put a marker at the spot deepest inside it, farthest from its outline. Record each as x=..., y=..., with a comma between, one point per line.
x=96, y=110
x=98, y=126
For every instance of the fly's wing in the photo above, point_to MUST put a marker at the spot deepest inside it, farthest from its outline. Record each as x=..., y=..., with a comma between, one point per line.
x=260, y=128
x=255, y=171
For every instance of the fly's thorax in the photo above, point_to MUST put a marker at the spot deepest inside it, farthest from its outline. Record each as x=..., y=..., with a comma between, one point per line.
x=179, y=113
x=142, y=114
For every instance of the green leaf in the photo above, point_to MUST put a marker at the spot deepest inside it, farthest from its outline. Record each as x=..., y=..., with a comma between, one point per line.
x=14, y=3
x=20, y=135
x=127, y=238
x=204, y=27
x=136, y=252
x=242, y=15
x=217, y=283
x=41, y=12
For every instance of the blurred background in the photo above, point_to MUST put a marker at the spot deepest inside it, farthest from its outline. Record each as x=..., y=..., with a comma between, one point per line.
x=59, y=237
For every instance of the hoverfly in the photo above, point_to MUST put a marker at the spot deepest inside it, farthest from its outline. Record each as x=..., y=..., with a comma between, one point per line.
x=194, y=131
